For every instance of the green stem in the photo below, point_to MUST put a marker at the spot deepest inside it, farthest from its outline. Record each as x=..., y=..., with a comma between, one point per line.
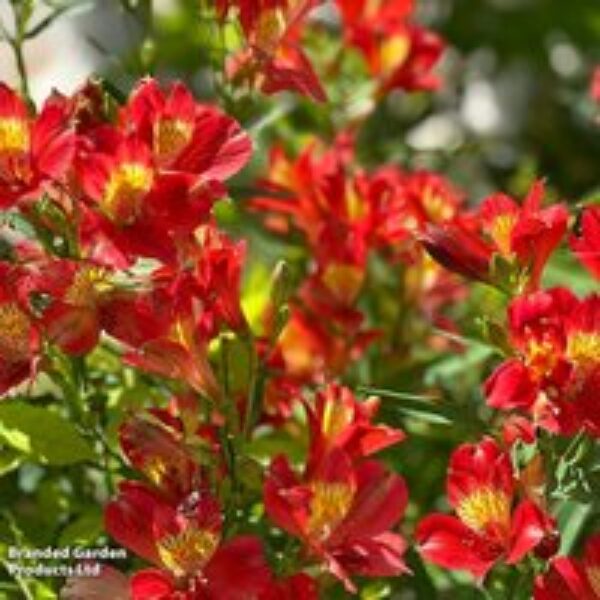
x=16, y=42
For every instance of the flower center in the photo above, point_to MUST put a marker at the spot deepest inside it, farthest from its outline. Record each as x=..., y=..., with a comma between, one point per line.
x=87, y=284
x=171, y=136
x=343, y=281
x=329, y=506
x=188, y=551
x=583, y=349
x=14, y=136
x=14, y=333
x=437, y=207
x=541, y=357
x=269, y=28
x=485, y=508
x=336, y=417
x=126, y=187
x=501, y=232
x=394, y=52
x=356, y=207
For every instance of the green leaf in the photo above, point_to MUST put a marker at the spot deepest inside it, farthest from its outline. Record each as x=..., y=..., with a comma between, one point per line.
x=42, y=435
x=9, y=460
x=423, y=407
x=85, y=529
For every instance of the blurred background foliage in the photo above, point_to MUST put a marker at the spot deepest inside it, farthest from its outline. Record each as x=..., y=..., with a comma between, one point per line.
x=513, y=105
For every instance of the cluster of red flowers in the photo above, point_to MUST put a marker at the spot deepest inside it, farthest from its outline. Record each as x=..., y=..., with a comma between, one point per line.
x=107, y=195
x=555, y=336
x=346, y=216
x=397, y=53
x=119, y=200
x=342, y=508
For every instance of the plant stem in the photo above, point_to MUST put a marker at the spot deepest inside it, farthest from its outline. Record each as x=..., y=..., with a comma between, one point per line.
x=21, y=13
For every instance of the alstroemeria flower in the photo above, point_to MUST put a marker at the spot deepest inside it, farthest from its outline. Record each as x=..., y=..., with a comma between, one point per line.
x=489, y=526
x=218, y=272
x=184, y=541
x=137, y=207
x=554, y=376
x=274, y=60
x=339, y=420
x=181, y=354
x=75, y=292
x=344, y=514
x=155, y=445
x=34, y=150
x=524, y=237
x=571, y=578
x=19, y=334
x=322, y=335
x=398, y=53
x=586, y=244
x=185, y=135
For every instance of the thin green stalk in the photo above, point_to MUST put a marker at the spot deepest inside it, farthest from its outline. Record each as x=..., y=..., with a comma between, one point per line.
x=21, y=12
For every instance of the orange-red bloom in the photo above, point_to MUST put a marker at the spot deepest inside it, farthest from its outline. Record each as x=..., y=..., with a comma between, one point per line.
x=343, y=513
x=523, y=237
x=274, y=59
x=488, y=526
x=185, y=135
x=342, y=507
x=556, y=371
x=34, y=151
x=571, y=578
x=339, y=420
x=184, y=541
x=398, y=53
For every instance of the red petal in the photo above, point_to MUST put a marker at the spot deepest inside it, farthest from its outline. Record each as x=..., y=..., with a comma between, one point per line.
x=447, y=542
x=128, y=519
x=243, y=559
x=529, y=527
x=379, y=503
x=151, y=584
x=510, y=387
x=564, y=580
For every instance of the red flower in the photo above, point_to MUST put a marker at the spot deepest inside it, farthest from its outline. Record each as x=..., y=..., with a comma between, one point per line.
x=339, y=420
x=19, y=336
x=155, y=445
x=487, y=527
x=571, y=578
x=274, y=60
x=75, y=293
x=184, y=541
x=586, y=245
x=313, y=346
x=557, y=341
x=181, y=354
x=34, y=151
x=343, y=513
x=528, y=234
x=399, y=54
x=218, y=272
x=524, y=237
x=185, y=135
x=455, y=246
